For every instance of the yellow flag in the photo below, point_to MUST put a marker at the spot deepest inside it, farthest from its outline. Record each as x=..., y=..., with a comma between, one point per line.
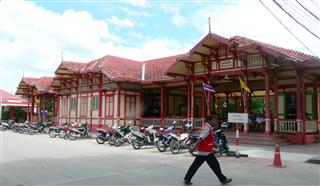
x=36, y=100
x=244, y=86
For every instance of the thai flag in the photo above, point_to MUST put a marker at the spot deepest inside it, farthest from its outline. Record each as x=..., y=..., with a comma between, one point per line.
x=208, y=87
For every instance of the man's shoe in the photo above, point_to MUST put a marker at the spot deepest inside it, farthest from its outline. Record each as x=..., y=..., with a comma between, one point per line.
x=228, y=180
x=187, y=182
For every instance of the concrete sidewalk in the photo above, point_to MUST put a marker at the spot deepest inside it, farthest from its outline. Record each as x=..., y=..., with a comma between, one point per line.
x=41, y=160
x=294, y=153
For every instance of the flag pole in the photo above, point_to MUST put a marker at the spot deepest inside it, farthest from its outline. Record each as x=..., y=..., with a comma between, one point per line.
x=205, y=95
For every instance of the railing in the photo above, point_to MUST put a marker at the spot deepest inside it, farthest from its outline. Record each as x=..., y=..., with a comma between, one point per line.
x=151, y=121
x=290, y=126
x=169, y=121
x=311, y=125
x=198, y=122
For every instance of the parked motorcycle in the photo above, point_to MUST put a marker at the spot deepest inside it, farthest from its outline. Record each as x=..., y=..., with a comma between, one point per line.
x=149, y=137
x=220, y=140
x=54, y=131
x=63, y=131
x=38, y=128
x=79, y=132
x=122, y=135
x=102, y=136
x=165, y=138
x=24, y=128
x=6, y=125
x=185, y=141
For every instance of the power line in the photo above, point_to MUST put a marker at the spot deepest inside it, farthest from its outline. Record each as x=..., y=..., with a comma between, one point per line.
x=307, y=10
x=303, y=14
x=294, y=19
x=285, y=26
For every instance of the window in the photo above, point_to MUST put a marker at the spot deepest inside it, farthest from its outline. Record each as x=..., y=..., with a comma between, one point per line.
x=130, y=106
x=73, y=104
x=83, y=106
x=95, y=102
x=64, y=105
x=109, y=106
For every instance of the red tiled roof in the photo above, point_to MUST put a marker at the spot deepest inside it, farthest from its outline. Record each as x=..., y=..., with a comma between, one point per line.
x=156, y=68
x=44, y=83
x=117, y=68
x=7, y=96
x=73, y=66
x=41, y=84
x=294, y=55
x=30, y=81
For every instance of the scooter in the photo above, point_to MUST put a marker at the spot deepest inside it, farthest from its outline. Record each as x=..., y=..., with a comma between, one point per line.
x=79, y=132
x=165, y=138
x=149, y=137
x=102, y=136
x=221, y=140
x=6, y=125
x=184, y=141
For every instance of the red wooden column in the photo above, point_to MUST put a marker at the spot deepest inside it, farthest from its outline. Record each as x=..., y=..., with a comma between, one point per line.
x=162, y=104
x=267, y=105
x=77, y=103
x=208, y=112
x=213, y=108
x=32, y=108
x=28, y=111
x=119, y=104
x=246, y=106
x=91, y=111
x=203, y=105
x=192, y=91
x=303, y=108
x=298, y=106
x=276, y=112
x=45, y=107
x=53, y=109
x=141, y=107
x=189, y=99
x=100, y=108
x=317, y=109
x=58, y=110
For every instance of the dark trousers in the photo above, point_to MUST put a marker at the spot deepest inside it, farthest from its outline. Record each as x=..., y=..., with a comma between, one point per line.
x=211, y=161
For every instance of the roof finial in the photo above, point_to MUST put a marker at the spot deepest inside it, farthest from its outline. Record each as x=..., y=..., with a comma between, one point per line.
x=61, y=56
x=209, y=25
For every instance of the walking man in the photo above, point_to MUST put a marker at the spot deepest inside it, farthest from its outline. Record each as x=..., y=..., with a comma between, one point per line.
x=204, y=146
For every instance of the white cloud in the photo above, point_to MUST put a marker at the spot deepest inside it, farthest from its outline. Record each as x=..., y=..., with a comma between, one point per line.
x=176, y=18
x=32, y=39
x=139, y=3
x=120, y=23
x=252, y=20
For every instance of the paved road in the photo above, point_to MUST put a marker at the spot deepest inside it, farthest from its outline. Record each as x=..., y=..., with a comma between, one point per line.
x=40, y=160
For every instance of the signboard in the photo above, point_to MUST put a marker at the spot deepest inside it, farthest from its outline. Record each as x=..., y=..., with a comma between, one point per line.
x=237, y=117
x=226, y=63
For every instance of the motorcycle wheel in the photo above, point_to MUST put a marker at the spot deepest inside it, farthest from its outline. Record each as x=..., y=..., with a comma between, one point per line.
x=31, y=132
x=62, y=133
x=53, y=134
x=46, y=130
x=191, y=149
x=15, y=129
x=3, y=128
x=100, y=139
x=161, y=146
x=174, y=147
x=136, y=144
x=72, y=136
x=117, y=142
x=111, y=140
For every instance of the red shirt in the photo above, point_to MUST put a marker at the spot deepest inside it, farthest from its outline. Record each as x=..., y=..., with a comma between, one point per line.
x=206, y=145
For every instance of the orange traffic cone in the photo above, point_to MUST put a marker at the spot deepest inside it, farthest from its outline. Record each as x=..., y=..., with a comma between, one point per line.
x=277, y=158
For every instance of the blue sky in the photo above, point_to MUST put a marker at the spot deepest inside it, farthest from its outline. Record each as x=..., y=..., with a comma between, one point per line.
x=34, y=34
